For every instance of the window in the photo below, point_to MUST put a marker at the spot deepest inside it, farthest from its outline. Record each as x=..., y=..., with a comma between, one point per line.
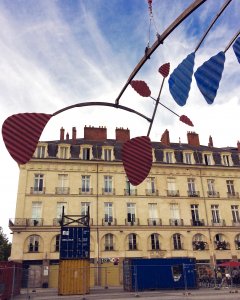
x=57, y=243
x=175, y=215
x=38, y=183
x=215, y=213
x=60, y=206
x=194, y=214
x=171, y=187
x=177, y=243
x=130, y=189
x=33, y=245
x=169, y=157
x=230, y=188
x=86, y=151
x=132, y=241
x=188, y=158
x=40, y=151
x=108, y=212
x=155, y=245
x=211, y=187
x=108, y=184
x=192, y=187
x=85, y=183
x=131, y=212
x=198, y=242
x=226, y=160
x=107, y=154
x=63, y=152
x=208, y=159
x=62, y=187
x=109, y=242
x=235, y=213
x=85, y=206
x=151, y=185
x=220, y=242
x=36, y=210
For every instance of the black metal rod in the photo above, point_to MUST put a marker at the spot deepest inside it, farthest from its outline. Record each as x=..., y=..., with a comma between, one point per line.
x=232, y=40
x=165, y=107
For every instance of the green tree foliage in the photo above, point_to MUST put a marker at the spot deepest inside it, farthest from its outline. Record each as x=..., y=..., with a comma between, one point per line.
x=5, y=246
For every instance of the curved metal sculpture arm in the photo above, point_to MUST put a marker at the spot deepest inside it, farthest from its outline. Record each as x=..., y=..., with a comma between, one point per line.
x=159, y=41
x=101, y=104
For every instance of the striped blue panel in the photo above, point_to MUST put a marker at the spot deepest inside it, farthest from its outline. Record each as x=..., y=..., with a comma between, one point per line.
x=236, y=48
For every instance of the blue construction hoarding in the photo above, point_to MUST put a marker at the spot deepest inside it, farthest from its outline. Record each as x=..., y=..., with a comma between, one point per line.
x=159, y=273
x=75, y=242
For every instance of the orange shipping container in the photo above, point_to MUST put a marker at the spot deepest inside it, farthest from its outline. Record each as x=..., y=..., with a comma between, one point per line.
x=74, y=277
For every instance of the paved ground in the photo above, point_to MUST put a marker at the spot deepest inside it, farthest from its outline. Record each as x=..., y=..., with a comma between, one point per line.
x=119, y=294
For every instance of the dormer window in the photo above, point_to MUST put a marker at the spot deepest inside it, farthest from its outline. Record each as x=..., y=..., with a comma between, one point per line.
x=86, y=152
x=207, y=159
x=226, y=160
x=40, y=151
x=63, y=151
x=107, y=154
x=169, y=157
x=188, y=158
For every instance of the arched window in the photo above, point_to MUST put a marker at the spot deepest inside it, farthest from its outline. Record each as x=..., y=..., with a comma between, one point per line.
x=199, y=242
x=33, y=243
x=155, y=245
x=109, y=242
x=221, y=242
x=57, y=243
x=177, y=241
x=132, y=241
x=237, y=241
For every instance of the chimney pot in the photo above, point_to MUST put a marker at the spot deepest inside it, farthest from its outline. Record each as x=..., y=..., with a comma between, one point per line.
x=165, y=140
x=62, y=134
x=74, y=135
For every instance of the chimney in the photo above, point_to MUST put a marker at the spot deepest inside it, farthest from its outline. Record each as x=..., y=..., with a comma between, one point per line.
x=74, y=135
x=67, y=136
x=238, y=146
x=165, y=140
x=95, y=134
x=210, y=143
x=193, y=139
x=62, y=134
x=122, y=135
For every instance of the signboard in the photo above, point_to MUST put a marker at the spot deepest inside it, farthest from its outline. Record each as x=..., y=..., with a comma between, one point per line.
x=75, y=243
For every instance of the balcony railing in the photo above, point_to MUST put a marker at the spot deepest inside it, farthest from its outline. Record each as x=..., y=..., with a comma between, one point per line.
x=17, y=222
x=86, y=191
x=173, y=193
x=133, y=222
x=151, y=192
x=200, y=245
x=237, y=243
x=154, y=222
x=35, y=222
x=130, y=192
x=37, y=190
x=57, y=221
x=108, y=191
x=235, y=222
x=218, y=223
x=62, y=190
x=109, y=221
x=193, y=193
x=176, y=222
x=213, y=194
x=197, y=222
x=233, y=195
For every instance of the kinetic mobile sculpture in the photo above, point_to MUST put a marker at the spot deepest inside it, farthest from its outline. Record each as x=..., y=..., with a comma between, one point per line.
x=21, y=132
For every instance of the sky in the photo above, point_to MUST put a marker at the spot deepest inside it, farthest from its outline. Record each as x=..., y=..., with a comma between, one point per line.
x=63, y=52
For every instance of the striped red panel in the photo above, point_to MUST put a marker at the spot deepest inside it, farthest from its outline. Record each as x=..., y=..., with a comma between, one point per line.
x=164, y=69
x=21, y=133
x=137, y=158
x=141, y=88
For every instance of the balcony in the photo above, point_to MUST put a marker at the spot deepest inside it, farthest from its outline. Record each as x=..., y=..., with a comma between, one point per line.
x=213, y=194
x=35, y=222
x=130, y=192
x=85, y=191
x=133, y=222
x=108, y=191
x=154, y=222
x=108, y=222
x=151, y=192
x=176, y=222
x=218, y=223
x=193, y=193
x=37, y=190
x=19, y=222
x=109, y=247
x=197, y=222
x=200, y=245
x=233, y=195
x=62, y=190
x=173, y=193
